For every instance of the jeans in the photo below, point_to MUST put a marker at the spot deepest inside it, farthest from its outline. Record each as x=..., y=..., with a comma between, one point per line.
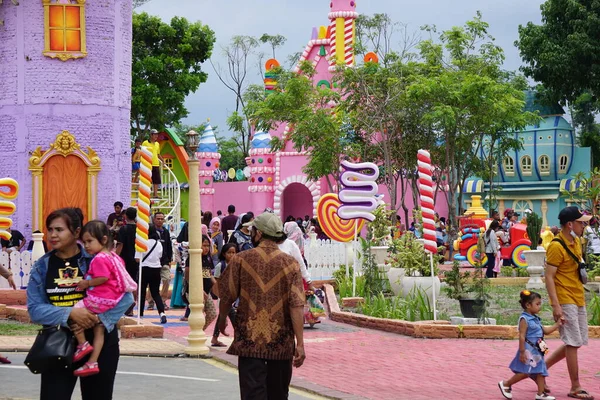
x=151, y=277
x=264, y=379
x=59, y=385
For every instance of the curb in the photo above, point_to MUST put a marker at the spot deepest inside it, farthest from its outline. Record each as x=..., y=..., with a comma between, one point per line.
x=429, y=329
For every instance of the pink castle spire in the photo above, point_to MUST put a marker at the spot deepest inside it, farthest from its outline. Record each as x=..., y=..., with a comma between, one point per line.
x=343, y=32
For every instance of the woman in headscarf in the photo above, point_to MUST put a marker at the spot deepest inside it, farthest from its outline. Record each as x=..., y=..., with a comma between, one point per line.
x=294, y=233
x=216, y=236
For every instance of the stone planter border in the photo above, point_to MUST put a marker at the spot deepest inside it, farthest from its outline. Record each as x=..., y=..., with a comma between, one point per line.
x=427, y=329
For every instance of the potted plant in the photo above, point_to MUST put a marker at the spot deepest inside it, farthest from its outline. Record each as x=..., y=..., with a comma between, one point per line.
x=536, y=256
x=380, y=233
x=410, y=267
x=470, y=291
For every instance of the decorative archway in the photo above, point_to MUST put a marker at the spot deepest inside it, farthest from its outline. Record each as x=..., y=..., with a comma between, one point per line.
x=313, y=187
x=66, y=146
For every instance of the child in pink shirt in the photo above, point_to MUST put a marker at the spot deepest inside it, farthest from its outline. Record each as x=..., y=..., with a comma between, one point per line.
x=106, y=283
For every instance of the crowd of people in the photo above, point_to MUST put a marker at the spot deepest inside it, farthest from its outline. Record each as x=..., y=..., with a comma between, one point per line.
x=88, y=279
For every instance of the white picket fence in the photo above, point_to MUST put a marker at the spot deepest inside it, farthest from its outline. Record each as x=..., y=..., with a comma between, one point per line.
x=323, y=258
x=326, y=256
x=19, y=264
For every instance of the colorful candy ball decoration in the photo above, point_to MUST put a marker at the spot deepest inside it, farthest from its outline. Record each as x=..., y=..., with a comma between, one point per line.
x=269, y=179
x=208, y=164
x=206, y=182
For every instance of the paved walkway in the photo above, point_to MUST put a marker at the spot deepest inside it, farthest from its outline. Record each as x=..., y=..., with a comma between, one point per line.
x=353, y=363
x=365, y=363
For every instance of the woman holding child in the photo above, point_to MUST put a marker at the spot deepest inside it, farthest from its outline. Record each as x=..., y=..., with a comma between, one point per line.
x=51, y=296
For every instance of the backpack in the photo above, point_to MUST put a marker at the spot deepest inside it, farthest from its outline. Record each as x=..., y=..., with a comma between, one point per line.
x=481, y=244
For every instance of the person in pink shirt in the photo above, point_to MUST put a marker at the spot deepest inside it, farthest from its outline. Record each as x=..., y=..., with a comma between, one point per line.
x=106, y=282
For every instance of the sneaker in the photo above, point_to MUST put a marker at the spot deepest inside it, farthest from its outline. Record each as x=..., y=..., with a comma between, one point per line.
x=544, y=396
x=506, y=390
x=163, y=318
x=87, y=369
x=82, y=351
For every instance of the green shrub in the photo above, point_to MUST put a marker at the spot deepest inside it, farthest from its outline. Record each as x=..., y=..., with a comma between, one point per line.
x=415, y=307
x=522, y=272
x=594, y=309
x=506, y=271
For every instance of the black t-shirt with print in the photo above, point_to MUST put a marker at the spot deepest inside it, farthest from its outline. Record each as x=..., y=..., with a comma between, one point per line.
x=62, y=279
x=126, y=237
x=14, y=241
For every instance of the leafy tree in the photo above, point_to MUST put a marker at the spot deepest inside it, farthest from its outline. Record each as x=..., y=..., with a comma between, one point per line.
x=274, y=41
x=563, y=53
x=139, y=3
x=583, y=113
x=238, y=54
x=167, y=62
x=315, y=126
x=466, y=96
x=231, y=156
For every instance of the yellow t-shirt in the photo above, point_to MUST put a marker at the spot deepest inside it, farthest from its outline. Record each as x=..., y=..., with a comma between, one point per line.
x=155, y=149
x=569, y=289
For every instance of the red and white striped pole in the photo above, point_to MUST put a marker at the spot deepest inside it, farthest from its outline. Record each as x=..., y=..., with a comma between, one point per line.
x=428, y=213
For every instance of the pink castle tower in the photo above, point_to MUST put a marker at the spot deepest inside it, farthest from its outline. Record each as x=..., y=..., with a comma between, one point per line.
x=291, y=192
x=208, y=154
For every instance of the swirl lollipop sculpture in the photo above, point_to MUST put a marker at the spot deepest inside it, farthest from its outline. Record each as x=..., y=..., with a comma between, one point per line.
x=9, y=189
x=143, y=204
x=427, y=210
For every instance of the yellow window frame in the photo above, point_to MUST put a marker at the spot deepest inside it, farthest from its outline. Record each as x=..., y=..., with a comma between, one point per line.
x=65, y=54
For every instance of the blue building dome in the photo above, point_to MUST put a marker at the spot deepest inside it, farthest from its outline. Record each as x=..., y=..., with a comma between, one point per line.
x=208, y=141
x=261, y=140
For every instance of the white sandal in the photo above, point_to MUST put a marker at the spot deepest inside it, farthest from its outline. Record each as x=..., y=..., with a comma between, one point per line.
x=506, y=390
x=544, y=396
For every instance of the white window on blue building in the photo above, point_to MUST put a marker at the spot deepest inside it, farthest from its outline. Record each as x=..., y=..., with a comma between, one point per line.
x=509, y=166
x=526, y=165
x=563, y=163
x=544, y=165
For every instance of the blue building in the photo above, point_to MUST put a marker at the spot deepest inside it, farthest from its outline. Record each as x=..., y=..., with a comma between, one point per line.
x=533, y=177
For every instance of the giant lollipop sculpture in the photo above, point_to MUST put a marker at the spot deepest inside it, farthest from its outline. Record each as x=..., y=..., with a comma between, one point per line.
x=427, y=210
x=342, y=216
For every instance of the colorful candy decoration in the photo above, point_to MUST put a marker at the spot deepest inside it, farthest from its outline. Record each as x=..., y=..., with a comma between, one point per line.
x=335, y=227
x=231, y=173
x=371, y=57
x=359, y=189
x=342, y=30
x=7, y=207
x=143, y=204
x=270, y=75
x=426, y=197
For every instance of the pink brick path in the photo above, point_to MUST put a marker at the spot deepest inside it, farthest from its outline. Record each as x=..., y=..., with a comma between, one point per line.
x=379, y=365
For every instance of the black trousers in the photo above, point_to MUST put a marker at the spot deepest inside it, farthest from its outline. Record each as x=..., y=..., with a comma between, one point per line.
x=264, y=379
x=491, y=263
x=59, y=385
x=151, y=277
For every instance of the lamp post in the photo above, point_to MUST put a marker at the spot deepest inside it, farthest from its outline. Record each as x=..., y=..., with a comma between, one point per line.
x=196, y=338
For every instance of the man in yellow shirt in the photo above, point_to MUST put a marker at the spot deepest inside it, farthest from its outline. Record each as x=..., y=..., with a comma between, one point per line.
x=566, y=293
x=154, y=147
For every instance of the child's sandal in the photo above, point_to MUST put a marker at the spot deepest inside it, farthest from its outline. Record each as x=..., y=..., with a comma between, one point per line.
x=87, y=369
x=82, y=351
x=506, y=390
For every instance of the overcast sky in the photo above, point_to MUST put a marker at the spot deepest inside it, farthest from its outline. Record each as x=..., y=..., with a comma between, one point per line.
x=295, y=19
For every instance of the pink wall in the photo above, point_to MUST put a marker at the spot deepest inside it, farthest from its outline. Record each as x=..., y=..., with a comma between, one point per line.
x=296, y=199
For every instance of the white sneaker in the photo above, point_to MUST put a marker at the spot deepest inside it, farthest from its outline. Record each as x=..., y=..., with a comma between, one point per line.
x=506, y=390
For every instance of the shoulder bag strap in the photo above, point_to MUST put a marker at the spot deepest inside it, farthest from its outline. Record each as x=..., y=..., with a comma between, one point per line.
x=573, y=256
x=147, y=254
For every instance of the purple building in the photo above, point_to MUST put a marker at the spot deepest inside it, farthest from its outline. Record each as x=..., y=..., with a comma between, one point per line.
x=65, y=93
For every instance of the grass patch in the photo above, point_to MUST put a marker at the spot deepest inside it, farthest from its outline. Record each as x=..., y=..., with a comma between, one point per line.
x=12, y=328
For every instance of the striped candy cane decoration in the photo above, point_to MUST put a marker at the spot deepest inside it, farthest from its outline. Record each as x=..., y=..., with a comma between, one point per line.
x=332, y=41
x=426, y=197
x=143, y=204
x=349, y=41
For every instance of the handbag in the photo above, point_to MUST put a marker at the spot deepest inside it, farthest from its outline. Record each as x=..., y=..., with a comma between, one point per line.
x=52, y=350
x=581, y=266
